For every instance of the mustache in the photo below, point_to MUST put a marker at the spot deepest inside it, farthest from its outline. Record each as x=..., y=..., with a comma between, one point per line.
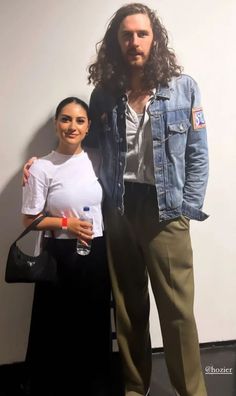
x=133, y=51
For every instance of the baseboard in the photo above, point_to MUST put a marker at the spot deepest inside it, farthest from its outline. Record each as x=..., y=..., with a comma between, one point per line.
x=204, y=345
x=18, y=366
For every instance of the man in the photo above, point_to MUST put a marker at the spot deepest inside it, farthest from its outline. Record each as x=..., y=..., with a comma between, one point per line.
x=148, y=121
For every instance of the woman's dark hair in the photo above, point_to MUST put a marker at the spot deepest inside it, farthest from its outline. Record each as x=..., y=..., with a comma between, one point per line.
x=71, y=99
x=110, y=71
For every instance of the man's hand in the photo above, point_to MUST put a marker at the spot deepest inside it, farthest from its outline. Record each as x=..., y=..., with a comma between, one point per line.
x=26, y=167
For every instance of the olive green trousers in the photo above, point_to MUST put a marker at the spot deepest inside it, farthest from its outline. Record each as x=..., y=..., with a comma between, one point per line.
x=140, y=246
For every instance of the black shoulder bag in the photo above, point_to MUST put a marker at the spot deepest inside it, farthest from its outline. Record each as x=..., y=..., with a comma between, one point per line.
x=24, y=268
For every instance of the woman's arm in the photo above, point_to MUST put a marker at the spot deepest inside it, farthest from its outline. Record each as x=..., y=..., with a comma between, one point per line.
x=80, y=228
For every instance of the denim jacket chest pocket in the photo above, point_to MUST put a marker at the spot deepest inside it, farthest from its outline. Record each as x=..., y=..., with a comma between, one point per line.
x=177, y=136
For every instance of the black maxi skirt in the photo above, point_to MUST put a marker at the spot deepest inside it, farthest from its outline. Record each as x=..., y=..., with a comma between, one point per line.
x=69, y=348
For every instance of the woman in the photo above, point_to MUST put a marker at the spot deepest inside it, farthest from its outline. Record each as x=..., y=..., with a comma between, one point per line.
x=70, y=326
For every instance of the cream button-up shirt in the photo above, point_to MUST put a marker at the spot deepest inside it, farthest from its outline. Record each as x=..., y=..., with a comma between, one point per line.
x=139, y=158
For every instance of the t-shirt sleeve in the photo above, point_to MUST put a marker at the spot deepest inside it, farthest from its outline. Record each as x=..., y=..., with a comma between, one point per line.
x=34, y=193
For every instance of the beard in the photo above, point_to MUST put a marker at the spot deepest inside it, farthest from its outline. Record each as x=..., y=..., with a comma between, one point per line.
x=135, y=59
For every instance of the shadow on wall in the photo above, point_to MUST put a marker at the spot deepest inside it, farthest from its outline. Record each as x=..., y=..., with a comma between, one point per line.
x=41, y=144
x=43, y=141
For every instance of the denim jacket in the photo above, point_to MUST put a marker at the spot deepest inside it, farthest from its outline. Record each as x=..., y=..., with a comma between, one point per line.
x=180, y=151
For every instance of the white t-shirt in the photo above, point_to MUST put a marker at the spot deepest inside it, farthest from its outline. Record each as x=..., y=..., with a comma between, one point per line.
x=61, y=185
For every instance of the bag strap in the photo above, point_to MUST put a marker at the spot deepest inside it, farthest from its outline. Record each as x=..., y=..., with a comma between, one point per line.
x=30, y=227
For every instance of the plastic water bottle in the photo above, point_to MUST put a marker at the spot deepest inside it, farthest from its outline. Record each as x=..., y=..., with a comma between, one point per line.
x=80, y=248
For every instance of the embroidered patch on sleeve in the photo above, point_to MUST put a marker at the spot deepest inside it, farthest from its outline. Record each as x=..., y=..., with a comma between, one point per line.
x=198, y=118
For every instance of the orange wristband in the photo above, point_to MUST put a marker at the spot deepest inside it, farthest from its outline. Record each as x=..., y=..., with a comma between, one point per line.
x=64, y=223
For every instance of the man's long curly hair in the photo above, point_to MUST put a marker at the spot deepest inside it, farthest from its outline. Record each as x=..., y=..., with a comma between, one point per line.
x=110, y=71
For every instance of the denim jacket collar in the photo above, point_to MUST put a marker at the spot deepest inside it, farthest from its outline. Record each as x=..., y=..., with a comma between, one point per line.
x=162, y=92
x=159, y=92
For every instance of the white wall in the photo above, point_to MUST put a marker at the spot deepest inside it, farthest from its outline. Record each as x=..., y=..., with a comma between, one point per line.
x=45, y=49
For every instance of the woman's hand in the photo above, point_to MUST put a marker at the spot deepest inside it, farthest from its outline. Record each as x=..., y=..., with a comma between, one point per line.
x=26, y=167
x=81, y=228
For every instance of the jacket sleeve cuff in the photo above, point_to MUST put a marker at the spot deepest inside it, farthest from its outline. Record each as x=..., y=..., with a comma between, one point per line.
x=193, y=213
